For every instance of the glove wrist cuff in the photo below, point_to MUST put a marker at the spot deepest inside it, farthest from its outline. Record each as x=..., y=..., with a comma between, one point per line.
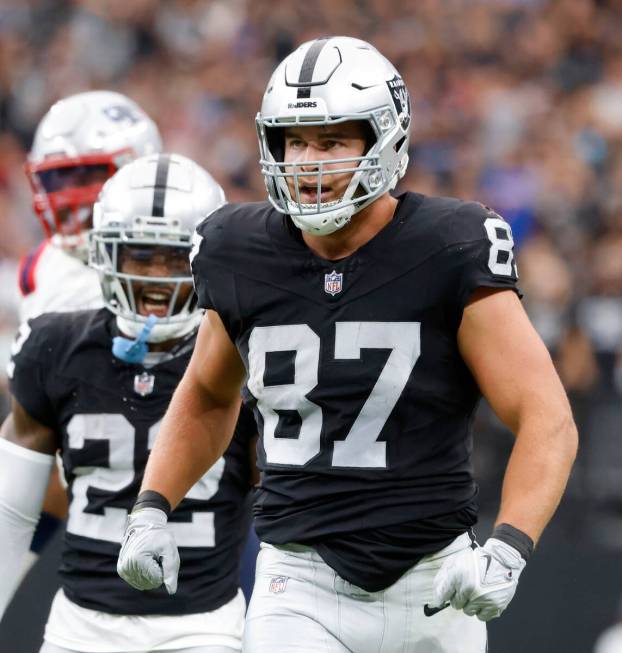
x=152, y=499
x=514, y=538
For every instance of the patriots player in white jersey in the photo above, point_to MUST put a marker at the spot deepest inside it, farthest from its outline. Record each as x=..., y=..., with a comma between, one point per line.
x=364, y=328
x=94, y=385
x=79, y=143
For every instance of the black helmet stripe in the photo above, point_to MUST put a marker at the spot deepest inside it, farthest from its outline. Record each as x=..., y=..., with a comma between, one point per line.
x=159, y=191
x=308, y=66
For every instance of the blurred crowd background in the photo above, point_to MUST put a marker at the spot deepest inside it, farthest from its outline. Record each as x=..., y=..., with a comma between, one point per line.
x=516, y=103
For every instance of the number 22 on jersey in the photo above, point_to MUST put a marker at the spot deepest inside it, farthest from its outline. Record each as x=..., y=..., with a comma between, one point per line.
x=119, y=474
x=360, y=448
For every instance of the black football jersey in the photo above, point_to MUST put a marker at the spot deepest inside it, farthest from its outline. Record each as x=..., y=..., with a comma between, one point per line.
x=107, y=413
x=363, y=402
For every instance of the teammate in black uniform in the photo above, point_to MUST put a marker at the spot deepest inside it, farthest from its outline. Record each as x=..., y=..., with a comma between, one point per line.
x=95, y=384
x=366, y=328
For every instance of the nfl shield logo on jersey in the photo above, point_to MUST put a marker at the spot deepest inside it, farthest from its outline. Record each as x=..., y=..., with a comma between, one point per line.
x=278, y=584
x=143, y=384
x=333, y=282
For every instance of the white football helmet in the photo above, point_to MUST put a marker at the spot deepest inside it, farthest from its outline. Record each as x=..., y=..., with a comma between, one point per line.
x=80, y=142
x=323, y=82
x=155, y=201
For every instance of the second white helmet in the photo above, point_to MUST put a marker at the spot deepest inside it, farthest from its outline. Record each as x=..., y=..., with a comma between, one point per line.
x=153, y=202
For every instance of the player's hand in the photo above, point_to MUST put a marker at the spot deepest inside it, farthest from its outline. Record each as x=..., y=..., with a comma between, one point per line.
x=480, y=581
x=149, y=556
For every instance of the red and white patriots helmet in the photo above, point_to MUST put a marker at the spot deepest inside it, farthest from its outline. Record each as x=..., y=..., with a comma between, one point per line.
x=153, y=202
x=80, y=142
x=323, y=82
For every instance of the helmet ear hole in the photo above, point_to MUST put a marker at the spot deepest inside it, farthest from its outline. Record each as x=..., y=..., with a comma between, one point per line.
x=399, y=144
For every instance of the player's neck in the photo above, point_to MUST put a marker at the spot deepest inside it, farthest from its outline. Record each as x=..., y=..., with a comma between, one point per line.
x=360, y=230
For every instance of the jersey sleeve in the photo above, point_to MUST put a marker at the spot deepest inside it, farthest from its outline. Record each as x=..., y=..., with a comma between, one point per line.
x=200, y=272
x=246, y=428
x=480, y=255
x=239, y=451
x=214, y=280
x=27, y=373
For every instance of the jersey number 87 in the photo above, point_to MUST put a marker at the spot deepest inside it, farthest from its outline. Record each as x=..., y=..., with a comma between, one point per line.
x=360, y=447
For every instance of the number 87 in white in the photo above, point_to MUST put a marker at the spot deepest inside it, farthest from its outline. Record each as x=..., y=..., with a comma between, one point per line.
x=360, y=447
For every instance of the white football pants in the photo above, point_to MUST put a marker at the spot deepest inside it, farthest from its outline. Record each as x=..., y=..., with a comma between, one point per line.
x=74, y=629
x=51, y=648
x=300, y=605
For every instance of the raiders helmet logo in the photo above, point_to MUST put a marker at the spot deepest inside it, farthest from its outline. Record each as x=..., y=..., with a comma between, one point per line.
x=401, y=100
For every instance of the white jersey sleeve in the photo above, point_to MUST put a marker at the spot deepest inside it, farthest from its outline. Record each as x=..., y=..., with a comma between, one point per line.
x=51, y=280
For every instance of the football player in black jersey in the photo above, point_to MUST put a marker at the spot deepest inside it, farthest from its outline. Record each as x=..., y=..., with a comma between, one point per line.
x=365, y=328
x=94, y=385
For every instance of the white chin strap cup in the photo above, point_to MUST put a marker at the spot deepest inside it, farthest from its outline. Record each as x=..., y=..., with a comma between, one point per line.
x=160, y=332
x=321, y=224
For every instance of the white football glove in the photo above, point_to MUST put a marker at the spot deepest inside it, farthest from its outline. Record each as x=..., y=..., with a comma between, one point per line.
x=479, y=581
x=149, y=555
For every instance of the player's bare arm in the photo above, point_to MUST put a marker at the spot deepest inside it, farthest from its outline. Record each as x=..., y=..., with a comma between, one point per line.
x=25, y=431
x=200, y=419
x=514, y=372
x=516, y=375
